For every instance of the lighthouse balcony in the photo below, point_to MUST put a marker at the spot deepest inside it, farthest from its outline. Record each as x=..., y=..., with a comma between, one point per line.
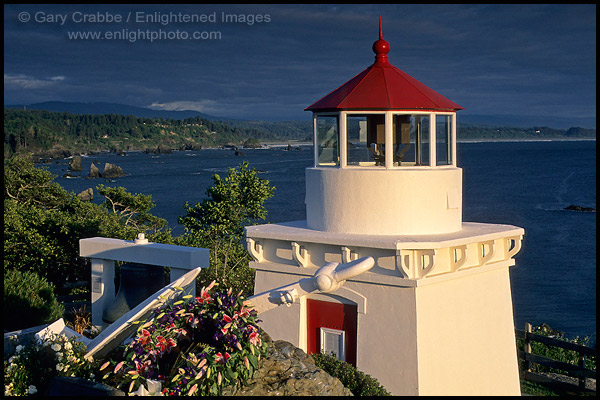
x=294, y=248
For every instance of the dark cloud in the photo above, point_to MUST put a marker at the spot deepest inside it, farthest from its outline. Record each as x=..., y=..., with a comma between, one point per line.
x=491, y=59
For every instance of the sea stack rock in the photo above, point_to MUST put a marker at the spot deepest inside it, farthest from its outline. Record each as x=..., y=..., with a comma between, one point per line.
x=94, y=171
x=86, y=195
x=112, y=171
x=75, y=163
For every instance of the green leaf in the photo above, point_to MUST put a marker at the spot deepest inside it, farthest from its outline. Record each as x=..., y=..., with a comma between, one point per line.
x=253, y=360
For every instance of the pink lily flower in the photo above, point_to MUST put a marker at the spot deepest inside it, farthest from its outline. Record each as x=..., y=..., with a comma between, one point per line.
x=222, y=358
x=255, y=339
x=145, y=338
x=204, y=296
x=165, y=344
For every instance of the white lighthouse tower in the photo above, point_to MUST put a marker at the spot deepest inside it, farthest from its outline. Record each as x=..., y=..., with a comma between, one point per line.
x=434, y=315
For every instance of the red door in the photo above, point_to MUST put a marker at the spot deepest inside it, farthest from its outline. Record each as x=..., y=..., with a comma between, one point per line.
x=334, y=317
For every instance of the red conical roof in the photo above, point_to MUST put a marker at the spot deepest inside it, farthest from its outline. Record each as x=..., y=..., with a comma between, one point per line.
x=383, y=87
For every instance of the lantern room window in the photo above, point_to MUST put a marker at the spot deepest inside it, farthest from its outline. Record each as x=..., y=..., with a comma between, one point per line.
x=411, y=140
x=365, y=139
x=366, y=144
x=351, y=139
x=327, y=140
x=443, y=134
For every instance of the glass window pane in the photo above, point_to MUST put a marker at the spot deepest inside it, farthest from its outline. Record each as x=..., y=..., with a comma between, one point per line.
x=327, y=140
x=366, y=139
x=333, y=341
x=443, y=134
x=411, y=140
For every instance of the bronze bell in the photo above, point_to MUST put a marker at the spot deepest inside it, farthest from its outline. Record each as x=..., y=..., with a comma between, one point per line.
x=138, y=282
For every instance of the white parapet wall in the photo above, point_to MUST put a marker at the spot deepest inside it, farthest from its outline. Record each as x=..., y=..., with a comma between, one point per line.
x=371, y=201
x=103, y=253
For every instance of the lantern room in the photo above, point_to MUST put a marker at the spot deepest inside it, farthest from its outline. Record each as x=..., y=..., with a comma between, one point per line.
x=384, y=118
x=384, y=156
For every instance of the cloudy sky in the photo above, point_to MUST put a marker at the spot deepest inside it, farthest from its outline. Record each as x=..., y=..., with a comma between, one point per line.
x=272, y=61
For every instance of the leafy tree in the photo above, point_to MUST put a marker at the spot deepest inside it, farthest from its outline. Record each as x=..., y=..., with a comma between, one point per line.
x=218, y=223
x=133, y=212
x=43, y=222
x=31, y=186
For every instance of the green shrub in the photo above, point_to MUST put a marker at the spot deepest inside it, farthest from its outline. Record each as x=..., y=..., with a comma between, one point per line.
x=29, y=300
x=359, y=383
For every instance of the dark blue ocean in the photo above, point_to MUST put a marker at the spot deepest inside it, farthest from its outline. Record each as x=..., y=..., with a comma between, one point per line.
x=526, y=184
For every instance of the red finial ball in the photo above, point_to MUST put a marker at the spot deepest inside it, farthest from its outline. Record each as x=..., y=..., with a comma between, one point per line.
x=381, y=47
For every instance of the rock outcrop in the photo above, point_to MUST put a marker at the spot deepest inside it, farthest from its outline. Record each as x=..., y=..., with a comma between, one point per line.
x=112, y=171
x=75, y=163
x=573, y=207
x=94, y=171
x=86, y=195
x=288, y=371
x=160, y=149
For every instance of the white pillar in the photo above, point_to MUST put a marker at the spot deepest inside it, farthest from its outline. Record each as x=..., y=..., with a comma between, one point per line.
x=453, y=139
x=103, y=287
x=315, y=140
x=343, y=139
x=389, y=140
x=432, y=140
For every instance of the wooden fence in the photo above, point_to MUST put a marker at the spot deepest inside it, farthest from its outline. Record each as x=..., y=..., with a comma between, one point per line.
x=577, y=373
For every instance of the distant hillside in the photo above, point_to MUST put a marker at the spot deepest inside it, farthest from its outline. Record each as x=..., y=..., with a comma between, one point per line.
x=474, y=132
x=110, y=108
x=60, y=134
x=526, y=121
x=517, y=121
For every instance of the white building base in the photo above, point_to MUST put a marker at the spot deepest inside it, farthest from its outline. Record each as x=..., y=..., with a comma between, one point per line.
x=434, y=315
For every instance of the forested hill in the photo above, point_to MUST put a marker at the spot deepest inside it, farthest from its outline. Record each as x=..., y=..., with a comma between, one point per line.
x=53, y=134
x=60, y=134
